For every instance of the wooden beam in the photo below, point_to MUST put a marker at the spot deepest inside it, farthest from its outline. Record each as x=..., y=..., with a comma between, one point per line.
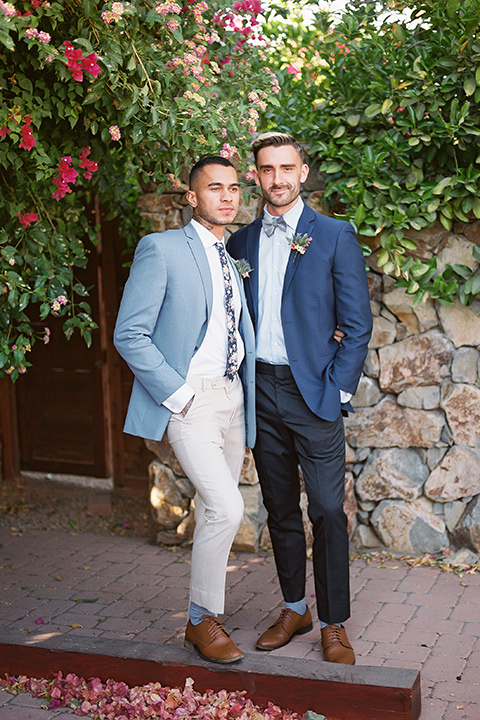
x=9, y=447
x=341, y=692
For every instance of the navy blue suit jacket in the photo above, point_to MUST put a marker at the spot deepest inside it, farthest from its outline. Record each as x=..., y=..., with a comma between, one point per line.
x=325, y=287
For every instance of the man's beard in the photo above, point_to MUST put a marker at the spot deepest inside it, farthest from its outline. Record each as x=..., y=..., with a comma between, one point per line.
x=292, y=194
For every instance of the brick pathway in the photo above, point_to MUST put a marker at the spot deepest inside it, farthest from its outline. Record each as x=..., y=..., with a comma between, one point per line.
x=123, y=588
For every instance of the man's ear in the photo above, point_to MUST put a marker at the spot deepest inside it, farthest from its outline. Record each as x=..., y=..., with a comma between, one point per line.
x=255, y=176
x=304, y=173
x=191, y=198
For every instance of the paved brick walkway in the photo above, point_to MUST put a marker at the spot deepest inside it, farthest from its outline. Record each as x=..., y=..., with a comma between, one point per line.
x=123, y=588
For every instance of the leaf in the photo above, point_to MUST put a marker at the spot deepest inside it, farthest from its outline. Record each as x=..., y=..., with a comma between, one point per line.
x=469, y=85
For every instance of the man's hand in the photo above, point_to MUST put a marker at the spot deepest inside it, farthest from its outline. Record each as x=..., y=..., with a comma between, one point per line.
x=338, y=335
x=188, y=406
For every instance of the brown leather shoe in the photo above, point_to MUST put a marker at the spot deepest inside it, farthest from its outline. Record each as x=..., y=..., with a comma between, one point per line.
x=336, y=647
x=281, y=632
x=210, y=639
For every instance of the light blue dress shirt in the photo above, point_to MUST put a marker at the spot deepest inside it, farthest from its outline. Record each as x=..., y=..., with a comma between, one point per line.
x=273, y=255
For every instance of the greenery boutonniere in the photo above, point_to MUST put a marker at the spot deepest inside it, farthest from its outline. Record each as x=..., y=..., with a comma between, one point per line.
x=243, y=268
x=299, y=243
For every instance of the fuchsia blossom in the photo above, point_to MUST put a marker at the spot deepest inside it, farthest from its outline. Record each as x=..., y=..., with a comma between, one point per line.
x=76, y=63
x=4, y=130
x=115, y=133
x=66, y=174
x=90, y=166
x=28, y=141
x=26, y=218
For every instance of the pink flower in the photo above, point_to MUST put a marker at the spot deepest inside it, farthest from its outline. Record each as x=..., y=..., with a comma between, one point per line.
x=115, y=133
x=46, y=337
x=174, y=181
x=26, y=218
x=66, y=174
x=55, y=306
x=76, y=63
x=28, y=141
x=90, y=166
x=4, y=130
x=8, y=9
x=89, y=63
x=173, y=24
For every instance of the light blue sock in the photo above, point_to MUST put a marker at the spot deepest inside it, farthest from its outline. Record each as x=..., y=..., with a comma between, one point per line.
x=324, y=625
x=195, y=613
x=299, y=607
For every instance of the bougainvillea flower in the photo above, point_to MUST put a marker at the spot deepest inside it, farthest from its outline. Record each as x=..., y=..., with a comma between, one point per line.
x=90, y=166
x=28, y=141
x=26, y=218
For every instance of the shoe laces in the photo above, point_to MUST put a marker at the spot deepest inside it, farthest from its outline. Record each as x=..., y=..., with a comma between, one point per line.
x=284, y=615
x=215, y=626
x=334, y=634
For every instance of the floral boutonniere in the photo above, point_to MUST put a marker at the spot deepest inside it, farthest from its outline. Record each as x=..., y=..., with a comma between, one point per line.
x=243, y=268
x=299, y=243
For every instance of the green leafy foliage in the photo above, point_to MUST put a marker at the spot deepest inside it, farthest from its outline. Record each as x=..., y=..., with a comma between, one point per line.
x=101, y=99
x=387, y=98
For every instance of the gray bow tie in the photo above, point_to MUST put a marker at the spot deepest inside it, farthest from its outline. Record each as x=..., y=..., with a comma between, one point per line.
x=270, y=223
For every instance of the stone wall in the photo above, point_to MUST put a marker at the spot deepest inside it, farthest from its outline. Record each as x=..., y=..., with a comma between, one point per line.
x=413, y=444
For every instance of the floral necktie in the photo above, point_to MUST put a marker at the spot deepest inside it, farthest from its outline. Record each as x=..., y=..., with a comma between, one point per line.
x=232, y=355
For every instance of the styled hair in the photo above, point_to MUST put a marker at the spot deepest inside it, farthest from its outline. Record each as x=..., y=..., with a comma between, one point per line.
x=203, y=162
x=276, y=139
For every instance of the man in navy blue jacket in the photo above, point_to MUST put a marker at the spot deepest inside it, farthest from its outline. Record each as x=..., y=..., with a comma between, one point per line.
x=308, y=276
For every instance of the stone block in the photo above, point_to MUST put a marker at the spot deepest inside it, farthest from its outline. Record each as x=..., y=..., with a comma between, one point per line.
x=384, y=332
x=409, y=526
x=392, y=473
x=427, y=239
x=456, y=476
x=365, y=537
x=400, y=304
x=254, y=520
x=465, y=365
x=389, y=425
x=372, y=364
x=248, y=213
x=461, y=324
x=418, y=360
x=467, y=532
x=169, y=505
x=249, y=472
x=453, y=511
x=367, y=393
x=426, y=315
x=462, y=407
x=456, y=250
x=420, y=398
x=153, y=203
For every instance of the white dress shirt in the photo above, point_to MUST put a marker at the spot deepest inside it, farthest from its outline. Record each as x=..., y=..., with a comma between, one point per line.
x=273, y=254
x=210, y=360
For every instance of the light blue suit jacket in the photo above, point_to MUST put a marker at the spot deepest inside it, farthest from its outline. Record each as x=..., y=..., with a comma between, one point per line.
x=161, y=323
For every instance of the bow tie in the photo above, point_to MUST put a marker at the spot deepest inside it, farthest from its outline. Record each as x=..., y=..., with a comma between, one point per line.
x=270, y=223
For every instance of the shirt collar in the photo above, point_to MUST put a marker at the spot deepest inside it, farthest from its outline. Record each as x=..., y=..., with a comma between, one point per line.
x=293, y=215
x=208, y=238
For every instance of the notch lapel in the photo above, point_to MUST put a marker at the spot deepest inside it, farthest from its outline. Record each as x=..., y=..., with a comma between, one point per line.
x=200, y=256
x=304, y=227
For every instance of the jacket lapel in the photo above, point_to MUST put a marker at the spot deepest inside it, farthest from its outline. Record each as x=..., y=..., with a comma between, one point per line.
x=304, y=227
x=199, y=254
x=252, y=247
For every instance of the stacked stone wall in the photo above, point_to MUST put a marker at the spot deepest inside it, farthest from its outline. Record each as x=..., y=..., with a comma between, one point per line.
x=413, y=444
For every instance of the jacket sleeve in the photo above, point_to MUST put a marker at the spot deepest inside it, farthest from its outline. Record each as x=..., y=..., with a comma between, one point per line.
x=352, y=306
x=140, y=307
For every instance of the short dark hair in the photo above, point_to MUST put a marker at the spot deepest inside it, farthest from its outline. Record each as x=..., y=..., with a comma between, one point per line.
x=276, y=139
x=203, y=162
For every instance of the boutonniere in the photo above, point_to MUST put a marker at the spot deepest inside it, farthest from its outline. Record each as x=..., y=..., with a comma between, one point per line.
x=243, y=268
x=299, y=243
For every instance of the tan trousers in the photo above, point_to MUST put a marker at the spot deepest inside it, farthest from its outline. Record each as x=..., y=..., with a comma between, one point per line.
x=209, y=443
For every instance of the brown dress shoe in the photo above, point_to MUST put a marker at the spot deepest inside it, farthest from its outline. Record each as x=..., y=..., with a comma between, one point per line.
x=210, y=639
x=336, y=647
x=281, y=632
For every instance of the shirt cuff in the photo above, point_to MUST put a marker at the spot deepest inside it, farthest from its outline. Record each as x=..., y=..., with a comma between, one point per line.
x=345, y=397
x=177, y=401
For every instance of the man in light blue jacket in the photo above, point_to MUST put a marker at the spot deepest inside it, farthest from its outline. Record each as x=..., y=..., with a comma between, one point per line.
x=184, y=330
